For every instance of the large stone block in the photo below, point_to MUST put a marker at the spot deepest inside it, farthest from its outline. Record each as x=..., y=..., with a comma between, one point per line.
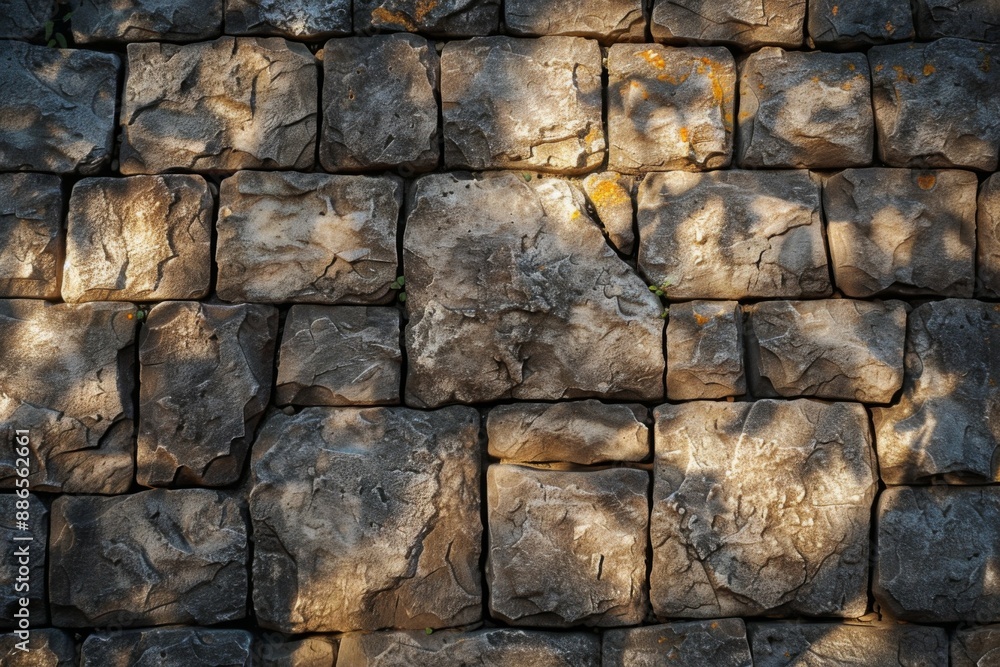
x=367, y=519
x=380, y=107
x=604, y=20
x=705, y=350
x=937, y=553
x=721, y=643
x=150, y=558
x=971, y=19
x=733, y=235
x=205, y=381
x=936, y=104
x=947, y=420
x=312, y=651
x=844, y=645
x=66, y=376
x=976, y=646
x=25, y=19
x=761, y=508
x=15, y=585
x=234, y=103
x=855, y=25
x=145, y=20
x=610, y=195
x=748, y=24
x=523, y=104
x=58, y=108
x=169, y=647
x=901, y=231
x=514, y=293
x=47, y=647
x=440, y=18
x=670, y=108
x=988, y=239
x=295, y=19
x=293, y=237
x=30, y=235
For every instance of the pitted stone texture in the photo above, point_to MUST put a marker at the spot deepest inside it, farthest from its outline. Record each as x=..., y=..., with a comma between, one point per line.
x=721, y=643
x=988, y=239
x=901, y=231
x=976, y=647
x=25, y=19
x=58, y=108
x=705, y=351
x=296, y=19
x=805, y=110
x=66, y=375
x=30, y=229
x=490, y=647
x=670, y=108
x=145, y=20
x=843, y=645
x=604, y=20
x=149, y=558
x=854, y=25
x=169, y=647
x=947, y=421
x=514, y=293
x=13, y=582
x=234, y=103
x=838, y=349
x=610, y=194
x=205, y=380
x=761, y=508
x=733, y=235
x=523, y=104
x=971, y=19
x=293, y=237
x=340, y=355
x=440, y=18
x=936, y=104
x=584, y=432
x=141, y=238
x=367, y=519
x=47, y=647
x=567, y=547
x=937, y=553
x=380, y=107
x=316, y=651
x=748, y=24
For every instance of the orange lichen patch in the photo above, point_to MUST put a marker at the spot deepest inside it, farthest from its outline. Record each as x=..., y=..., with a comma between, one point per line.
x=851, y=66
x=673, y=80
x=653, y=58
x=609, y=193
x=684, y=134
x=985, y=65
x=889, y=27
x=761, y=86
x=701, y=320
x=728, y=118
x=835, y=10
x=879, y=68
x=744, y=114
x=901, y=74
x=718, y=92
x=423, y=8
x=815, y=79
x=929, y=69
x=714, y=626
x=926, y=181
x=575, y=214
x=130, y=316
x=846, y=85
x=383, y=15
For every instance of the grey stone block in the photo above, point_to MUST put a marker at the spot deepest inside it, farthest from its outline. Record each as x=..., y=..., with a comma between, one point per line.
x=145, y=20
x=971, y=19
x=25, y=19
x=314, y=651
x=31, y=251
x=844, y=645
x=439, y=18
x=605, y=20
x=705, y=351
x=748, y=24
x=988, y=239
x=975, y=646
x=295, y=19
x=721, y=643
x=47, y=647
x=17, y=553
x=169, y=647
x=854, y=25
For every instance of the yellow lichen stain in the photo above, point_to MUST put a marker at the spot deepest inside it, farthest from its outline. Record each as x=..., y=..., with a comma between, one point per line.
x=901, y=74
x=846, y=85
x=673, y=80
x=717, y=90
x=835, y=10
x=760, y=86
x=929, y=69
x=701, y=320
x=744, y=114
x=714, y=626
x=653, y=58
x=851, y=66
x=889, y=27
x=728, y=118
x=815, y=79
x=641, y=89
x=879, y=68
x=610, y=193
x=926, y=181
x=685, y=135
x=575, y=214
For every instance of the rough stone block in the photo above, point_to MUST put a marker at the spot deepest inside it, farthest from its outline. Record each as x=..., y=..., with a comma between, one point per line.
x=58, y=108
x=670, y=108
x=523, y=104
x=25, y=19
x=149, y=558
x=296, y=19
x=567, y=548
x=705, y=351
x=11, y=580
x=975, y=647
x=988, y=239
x=380, y=107
x=901, y=231
x=733, y=235
x=234, y=103
x=748, y=24
x=145, y=20
x=293, y=237
x=936, y=104
x=604, y=20
x=761, y=508
x=838, y=349
x=367, y=519
x=937, y=552
x=142, y=238
x=47, y=647
x=514, y=293
x=440, y=18
x=30, y=235
x=721, y=643
x=315, y=651
x=169, y=647
x=610, y=195
x=971, y=19
x=947, y=420
x=66, y=375
x=805, y=110
x=342, y=355
x=584, y=432
x=855, y=25
x=844, y=645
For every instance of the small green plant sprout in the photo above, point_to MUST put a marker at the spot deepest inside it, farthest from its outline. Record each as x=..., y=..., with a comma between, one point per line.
x=139, y=314
x=661, y=291
x=57, y=38
x=428, y=631
x=400, y=286
x=527, y=176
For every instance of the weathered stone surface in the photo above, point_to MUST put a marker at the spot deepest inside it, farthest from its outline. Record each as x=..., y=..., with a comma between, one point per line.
x=58, y=109
x=149, y=558
x=25, y=19
x=855, y=25
x=604, y=20
x=341, y=355
x=947, y=421
x=748, y=24
x=47, y=647
x=705, y=351
x=234, y=103
x=936, y=104
x=380, y=107
x=733, y=235
x=66, y=375
x=976, y=647
x=901, y=231
x=169, y=647
x=721, y=643
x=205, y=380
x=670, y=108
x=523, y=104
x=988, y=239
x=567, y=548
x=971, y=19
x=760, y=508
x=30, y=225
x=937, y=552
x=440, y=18
x=142, y=238
x=513, y=293
x=836, y=349
x=308, y=652
x=297, y=19
x=805, y=110
x=287, y=236
x=12, y=581
x=843, y=645
x=584, y=432
x=611, y=196
x=145, y=20
x=490, y=647
x=366, y=519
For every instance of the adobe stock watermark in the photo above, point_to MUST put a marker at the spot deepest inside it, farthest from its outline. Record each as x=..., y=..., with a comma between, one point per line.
x=22, y=539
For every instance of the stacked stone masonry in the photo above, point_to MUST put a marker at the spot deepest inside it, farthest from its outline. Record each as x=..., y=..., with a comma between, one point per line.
x=356, y=333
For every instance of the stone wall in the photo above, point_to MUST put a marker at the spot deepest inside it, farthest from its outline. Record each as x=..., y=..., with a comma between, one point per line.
x=469, y=332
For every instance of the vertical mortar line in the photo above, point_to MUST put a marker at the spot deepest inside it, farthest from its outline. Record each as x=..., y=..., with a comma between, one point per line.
x=484, y=512
x=320, y=74
x=402, y=308
x=821, y=180
x=650, y=499
x=880, y=486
